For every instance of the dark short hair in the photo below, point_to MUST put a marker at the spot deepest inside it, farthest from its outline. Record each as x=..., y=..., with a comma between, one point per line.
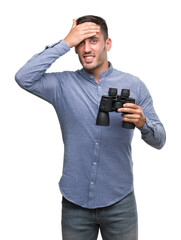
x=97, y=20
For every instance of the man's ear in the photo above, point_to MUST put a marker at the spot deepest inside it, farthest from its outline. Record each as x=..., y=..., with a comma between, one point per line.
x=108, y=44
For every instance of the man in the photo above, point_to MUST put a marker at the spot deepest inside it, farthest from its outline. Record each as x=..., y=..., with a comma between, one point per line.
x=97, y=180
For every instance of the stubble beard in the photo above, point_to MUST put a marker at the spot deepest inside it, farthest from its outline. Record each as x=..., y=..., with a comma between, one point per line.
x=97, y=64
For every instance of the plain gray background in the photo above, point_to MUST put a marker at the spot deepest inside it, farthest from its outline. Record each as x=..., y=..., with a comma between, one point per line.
x=146, y=43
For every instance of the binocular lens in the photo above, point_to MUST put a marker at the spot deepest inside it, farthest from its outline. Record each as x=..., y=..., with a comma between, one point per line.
x=103, y=119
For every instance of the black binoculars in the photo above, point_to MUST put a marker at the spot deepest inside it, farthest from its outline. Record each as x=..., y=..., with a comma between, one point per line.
x=112, y=103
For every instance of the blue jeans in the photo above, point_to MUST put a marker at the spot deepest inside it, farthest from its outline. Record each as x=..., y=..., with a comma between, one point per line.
x=116, y=222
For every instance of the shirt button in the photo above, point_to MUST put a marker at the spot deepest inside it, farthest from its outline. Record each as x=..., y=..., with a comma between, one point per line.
x=95, y=163
x=97, y=143
x=92, y=182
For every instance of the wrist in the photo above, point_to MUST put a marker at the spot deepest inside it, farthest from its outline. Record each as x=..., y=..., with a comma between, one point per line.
x=141, y=123
x=68, y=42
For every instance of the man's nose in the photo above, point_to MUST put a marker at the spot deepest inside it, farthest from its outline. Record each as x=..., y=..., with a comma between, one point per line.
x=87, y=47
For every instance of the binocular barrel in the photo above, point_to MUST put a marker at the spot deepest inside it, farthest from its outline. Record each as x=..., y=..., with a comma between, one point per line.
x=113, y=102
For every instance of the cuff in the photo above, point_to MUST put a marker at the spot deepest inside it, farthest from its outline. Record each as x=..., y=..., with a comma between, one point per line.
x=62, y=45
x=146, y=127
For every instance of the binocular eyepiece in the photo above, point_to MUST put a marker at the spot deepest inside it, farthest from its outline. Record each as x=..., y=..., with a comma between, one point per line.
x=111, y=103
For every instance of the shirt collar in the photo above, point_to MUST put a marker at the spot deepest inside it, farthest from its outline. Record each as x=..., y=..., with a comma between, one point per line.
x=104, y=74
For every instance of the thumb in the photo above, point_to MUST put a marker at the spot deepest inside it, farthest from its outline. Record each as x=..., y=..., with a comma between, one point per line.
x=74, y=23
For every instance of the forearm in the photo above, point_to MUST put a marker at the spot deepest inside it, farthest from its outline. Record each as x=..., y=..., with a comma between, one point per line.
x=34, y=69
x=153, y=133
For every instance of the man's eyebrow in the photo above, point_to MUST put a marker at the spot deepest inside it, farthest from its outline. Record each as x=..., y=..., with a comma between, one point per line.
x=94, y=37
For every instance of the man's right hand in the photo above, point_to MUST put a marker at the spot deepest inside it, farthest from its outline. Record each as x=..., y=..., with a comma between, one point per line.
x=80, y=32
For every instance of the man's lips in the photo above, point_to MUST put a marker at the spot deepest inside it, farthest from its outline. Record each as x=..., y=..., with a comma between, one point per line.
x=88, y=58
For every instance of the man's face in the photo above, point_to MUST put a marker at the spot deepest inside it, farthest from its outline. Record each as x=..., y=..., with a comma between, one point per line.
x=92, y=52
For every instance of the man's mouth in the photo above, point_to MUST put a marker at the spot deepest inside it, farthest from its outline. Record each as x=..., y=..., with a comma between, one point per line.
x=88, y=58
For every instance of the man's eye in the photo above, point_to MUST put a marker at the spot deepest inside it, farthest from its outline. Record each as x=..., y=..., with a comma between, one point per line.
x=81, y=43
x=94, y=41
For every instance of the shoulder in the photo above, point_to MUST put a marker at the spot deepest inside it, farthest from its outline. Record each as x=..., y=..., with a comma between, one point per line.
x=137, y=87
x=127, y=76
x=127, y=80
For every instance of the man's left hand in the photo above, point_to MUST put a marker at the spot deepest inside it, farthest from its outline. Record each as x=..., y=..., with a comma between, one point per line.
x=134, y=114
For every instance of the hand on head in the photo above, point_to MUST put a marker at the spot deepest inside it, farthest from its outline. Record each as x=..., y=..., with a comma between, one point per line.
x=80, y=32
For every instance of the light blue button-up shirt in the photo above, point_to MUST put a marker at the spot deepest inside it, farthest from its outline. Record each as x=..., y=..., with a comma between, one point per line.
x=97, y=169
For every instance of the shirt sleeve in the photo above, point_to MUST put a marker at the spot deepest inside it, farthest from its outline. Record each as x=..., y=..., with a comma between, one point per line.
x=153, y=132
x=32, y=76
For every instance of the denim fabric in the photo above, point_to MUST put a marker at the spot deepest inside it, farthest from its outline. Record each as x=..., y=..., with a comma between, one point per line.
x=116, y=222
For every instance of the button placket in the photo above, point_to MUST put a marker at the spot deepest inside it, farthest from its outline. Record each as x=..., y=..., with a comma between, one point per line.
x=94, y=173
x=99, y=93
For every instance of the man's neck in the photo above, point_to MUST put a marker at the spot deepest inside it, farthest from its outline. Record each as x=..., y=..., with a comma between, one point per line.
x=97, y=71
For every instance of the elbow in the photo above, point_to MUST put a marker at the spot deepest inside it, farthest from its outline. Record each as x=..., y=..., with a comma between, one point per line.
x=155, y=137
x=157, y=143
x=18, y=79
x=162, y=139
x=160, y=144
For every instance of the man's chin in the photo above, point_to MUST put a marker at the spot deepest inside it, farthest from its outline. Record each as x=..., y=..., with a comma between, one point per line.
x=89, y=66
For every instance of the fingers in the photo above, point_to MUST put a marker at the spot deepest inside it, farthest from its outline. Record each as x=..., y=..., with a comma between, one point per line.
x=85, y=30
x=87, y=24
x=74, y=23
x=89, y=33
x=131, y=116
x=136, y=119
x=80, y=32
x=130, y=108
x=88, y=28
x=133, y=113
